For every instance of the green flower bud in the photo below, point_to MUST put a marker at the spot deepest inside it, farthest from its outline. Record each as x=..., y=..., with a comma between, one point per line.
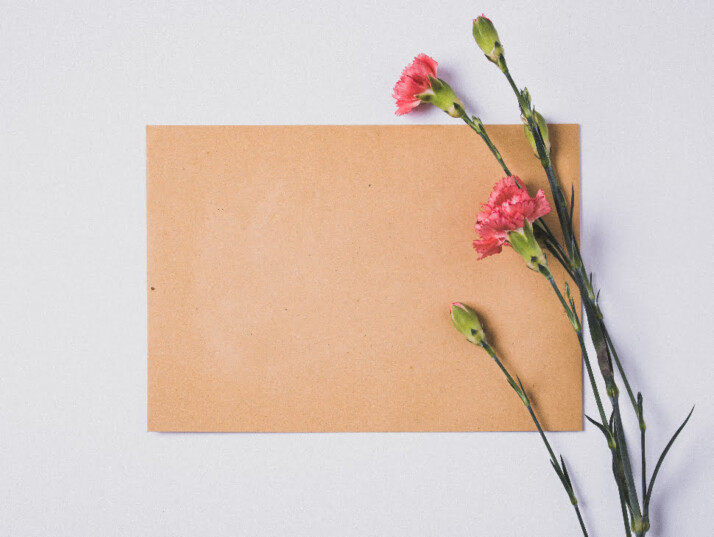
x=543, y=128
x=487, y=39
x=442, y=96
x=466, y=321
x=524, y=243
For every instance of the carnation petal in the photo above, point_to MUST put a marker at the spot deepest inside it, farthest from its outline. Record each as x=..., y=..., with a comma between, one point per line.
x=542, y=207
x=509, y=207
x=488, y=247
x=414, y=80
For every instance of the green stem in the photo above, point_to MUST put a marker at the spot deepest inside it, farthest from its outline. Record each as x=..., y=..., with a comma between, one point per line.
x=644, y=464
x=557, y=255
x=617, y=443
x=521, y=104
x=604, y=361
x=560, y=470
x=481, y=131
x=621, y=370
x=545, y=271
x=561, y=204
x=580, y=520
x=554, y=247
x=493, y=355
x=626, y=522
x=625, y=458
x=559, y=198
x=577, y=326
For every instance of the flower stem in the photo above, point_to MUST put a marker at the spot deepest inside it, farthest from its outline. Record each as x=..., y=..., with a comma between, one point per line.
x=479, y=129
x=621, y=370
x=577, y=326
x=559, y=469
x=626, y=522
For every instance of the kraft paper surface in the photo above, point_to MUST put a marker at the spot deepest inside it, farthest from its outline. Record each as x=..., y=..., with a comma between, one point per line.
x=300, y=279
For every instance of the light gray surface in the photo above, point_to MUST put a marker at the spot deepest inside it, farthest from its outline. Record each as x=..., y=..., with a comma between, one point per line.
x=78, y=83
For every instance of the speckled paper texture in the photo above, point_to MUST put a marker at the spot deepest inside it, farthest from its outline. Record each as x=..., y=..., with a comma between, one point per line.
x=300, y=279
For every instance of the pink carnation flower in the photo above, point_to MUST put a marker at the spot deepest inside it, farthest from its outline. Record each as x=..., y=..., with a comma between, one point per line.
x=508, y=207
x=414, y=80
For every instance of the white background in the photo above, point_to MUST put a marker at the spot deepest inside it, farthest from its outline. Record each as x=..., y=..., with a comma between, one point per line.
x=78, y=83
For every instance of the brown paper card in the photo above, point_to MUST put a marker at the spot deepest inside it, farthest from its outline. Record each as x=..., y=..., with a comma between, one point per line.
x=300, y=279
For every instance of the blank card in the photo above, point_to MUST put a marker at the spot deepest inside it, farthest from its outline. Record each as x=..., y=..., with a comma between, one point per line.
x=300, y=279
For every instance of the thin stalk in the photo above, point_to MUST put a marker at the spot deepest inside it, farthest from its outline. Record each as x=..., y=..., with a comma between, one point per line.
x=566, y=306
x=644, y=463
x=515, y=89
x=596, y=392
x=580, y=520
x=556, y=254
x=559, y=198
x=621, y=371
x=605, y=364
x=617, y=444
x=561, y=204
x=570, y=491
x=625, y=458
x=626, y=522
x=591, y=297
x=554, y=246
x=481, y=131
x=562, y=474
x=577, y=327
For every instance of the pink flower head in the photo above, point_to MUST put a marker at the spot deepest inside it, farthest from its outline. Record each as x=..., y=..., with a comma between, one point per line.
x=507, y=210
x=414, y=80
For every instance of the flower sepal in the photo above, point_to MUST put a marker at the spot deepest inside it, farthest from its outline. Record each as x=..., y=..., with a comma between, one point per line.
x=487, y=40
x=442, y=96
x=466, y=321
x=524, y=243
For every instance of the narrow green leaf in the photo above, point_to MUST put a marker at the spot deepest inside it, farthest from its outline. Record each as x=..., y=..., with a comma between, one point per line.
x=565, y=472
x=560, y=474
x=598, y=425
x=623, y=505
x=661, y=459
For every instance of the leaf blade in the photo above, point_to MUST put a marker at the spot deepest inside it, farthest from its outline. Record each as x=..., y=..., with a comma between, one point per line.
x=661, y=460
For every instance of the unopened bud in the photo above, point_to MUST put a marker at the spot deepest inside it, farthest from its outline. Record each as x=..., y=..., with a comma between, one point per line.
x=466, y=321
x=542, y=128
x=487, y=39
